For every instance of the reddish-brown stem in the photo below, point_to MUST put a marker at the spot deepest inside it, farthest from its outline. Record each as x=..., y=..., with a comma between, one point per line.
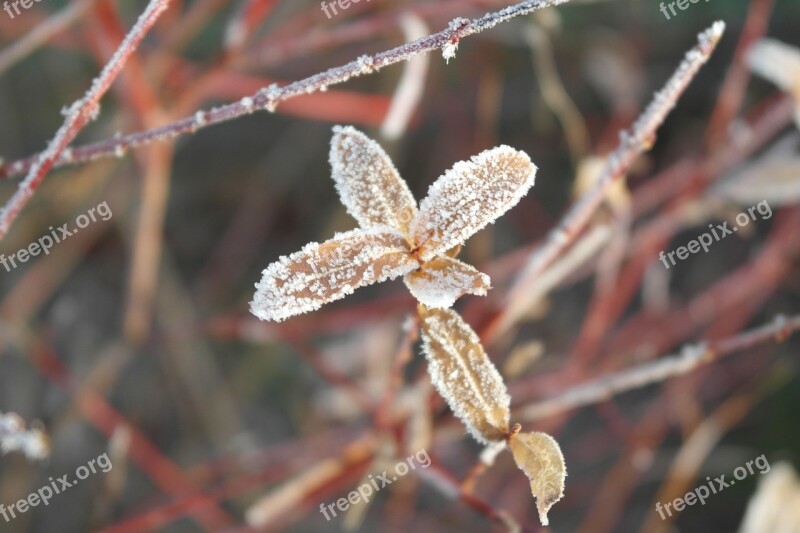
x=78, y=115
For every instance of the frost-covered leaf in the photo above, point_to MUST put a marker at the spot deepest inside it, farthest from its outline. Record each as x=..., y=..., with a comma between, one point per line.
x=322, y=273
x=368, y=183
x=469, y=196
x=463, y=374
x=442, y=280
x=539, y=456
x=779, y=63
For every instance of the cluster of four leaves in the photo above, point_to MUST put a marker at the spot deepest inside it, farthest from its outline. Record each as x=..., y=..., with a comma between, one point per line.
x=398, y=239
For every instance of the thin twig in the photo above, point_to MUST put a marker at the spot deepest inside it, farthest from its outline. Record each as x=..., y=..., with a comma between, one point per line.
x=78, y=115
x=687, y=360
x=632, y=144
x=268, y=98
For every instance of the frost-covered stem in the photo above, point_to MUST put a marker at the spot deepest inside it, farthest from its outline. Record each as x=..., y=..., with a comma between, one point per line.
x=659, y=370
x=15, y=437
x=78, y=115
x=270, y=97
x=632, y=144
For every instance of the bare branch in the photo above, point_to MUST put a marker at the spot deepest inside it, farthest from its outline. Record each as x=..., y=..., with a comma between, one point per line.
x=656, y=371
x=632, y=144
x=270, y=97
x=78, y=115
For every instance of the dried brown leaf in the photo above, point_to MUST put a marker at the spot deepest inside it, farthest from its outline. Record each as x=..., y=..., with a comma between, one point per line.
x=469, y=196
x=322, y=273
x=463, y=374
x=368, y=182
x=442, y=280
x=539, y=456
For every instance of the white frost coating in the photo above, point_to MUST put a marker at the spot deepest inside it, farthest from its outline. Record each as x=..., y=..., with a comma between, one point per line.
x=396, y=238
x=469, y=196
x=441, y=287
x=322, y=273
x=368, y=182
x=366, y=64
x=273, y=93
x=475, y=392
x=449, y=51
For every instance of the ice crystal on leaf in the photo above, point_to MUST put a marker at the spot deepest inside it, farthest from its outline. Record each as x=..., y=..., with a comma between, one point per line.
x=368, y=183
x=395, y=237
x=444, y=280
x=463, y=374
x=322, y=273
x=398, y=239
x=466, y=378
x=470, y=196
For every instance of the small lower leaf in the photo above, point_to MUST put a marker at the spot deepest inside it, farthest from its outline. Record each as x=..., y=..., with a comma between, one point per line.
x=539, y=456
x=464, y=375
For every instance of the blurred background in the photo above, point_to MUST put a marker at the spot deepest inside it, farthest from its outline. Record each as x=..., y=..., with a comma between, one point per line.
x=133, y=336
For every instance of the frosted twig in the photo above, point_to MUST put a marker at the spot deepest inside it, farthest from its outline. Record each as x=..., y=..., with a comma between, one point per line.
x=269, y=97
x=15, y=437
x=632, y=143
x=78, y=115
x=665, y=367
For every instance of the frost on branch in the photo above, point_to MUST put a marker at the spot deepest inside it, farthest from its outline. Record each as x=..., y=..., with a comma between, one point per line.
x=443, y=280
x=469, y=196
x=368, y=182
x=322, y=273
x=779, y=63
x=463, y=374
x=539, y=456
